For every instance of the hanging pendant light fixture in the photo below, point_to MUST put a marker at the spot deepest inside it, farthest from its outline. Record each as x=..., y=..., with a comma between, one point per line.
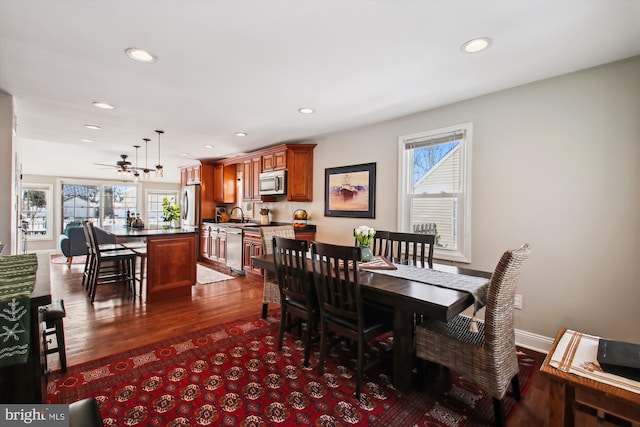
x=136, y=174
x=159, y=170
x=146, y=170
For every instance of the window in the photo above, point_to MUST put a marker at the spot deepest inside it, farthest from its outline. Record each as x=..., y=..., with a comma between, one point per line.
x=434, y=189
x=36, y=211
x=102, y=204
x=154, y=207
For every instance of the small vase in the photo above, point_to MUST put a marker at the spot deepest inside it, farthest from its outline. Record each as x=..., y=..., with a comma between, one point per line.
x=264, y=220
x=365, y=254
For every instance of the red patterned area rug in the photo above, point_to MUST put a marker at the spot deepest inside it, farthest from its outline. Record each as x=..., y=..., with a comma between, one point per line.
x=234, y=375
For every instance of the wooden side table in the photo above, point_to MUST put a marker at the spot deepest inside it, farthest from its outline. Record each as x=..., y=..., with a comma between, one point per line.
x=566, y=389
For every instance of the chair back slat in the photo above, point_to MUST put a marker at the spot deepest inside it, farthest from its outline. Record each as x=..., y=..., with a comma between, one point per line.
x=291, y=268
x=414, y=247
x=336, y=278
x=379, y=243
x=499, y=326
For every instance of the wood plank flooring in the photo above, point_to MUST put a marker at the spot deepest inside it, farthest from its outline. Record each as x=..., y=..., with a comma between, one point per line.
x=115, y=322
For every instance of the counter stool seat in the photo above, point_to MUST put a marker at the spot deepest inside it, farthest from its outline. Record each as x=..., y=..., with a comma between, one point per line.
x=52, y=318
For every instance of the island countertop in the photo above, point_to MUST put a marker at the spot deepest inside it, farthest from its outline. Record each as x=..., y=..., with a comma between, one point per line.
x=121, y=231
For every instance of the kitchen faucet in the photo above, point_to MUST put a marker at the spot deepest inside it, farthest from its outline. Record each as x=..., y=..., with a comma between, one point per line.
x=241, y=213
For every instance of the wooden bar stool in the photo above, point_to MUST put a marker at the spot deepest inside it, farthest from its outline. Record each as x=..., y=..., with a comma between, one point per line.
x=52, y=318
x=140, y=249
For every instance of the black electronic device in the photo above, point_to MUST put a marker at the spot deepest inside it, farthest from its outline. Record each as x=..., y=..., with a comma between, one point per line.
x=619, y=358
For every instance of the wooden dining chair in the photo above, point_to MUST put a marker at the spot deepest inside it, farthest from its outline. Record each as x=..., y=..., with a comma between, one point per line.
x=271, y=292
x=297, y=293
x=412, y=247
x=342, y=309
x=487, y=357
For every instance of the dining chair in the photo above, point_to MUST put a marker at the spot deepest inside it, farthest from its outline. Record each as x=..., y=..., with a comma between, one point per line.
x=414, y=247
x=487, y=357
x=108, y=266
x=342, y=309
x=297, y=292
x=271, y=292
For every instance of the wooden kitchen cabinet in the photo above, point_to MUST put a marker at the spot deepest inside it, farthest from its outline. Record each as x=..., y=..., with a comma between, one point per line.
x=224, y=183
x=252, y=167
x=273, y=160
x=300, y=172
x=190, y=175
x=213, y=245
x=251, y=246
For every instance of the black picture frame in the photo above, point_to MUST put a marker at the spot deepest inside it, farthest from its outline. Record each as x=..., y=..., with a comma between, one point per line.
x=350, y=191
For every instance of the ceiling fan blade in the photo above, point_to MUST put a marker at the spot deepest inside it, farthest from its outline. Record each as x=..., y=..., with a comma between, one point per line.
x=103, y=164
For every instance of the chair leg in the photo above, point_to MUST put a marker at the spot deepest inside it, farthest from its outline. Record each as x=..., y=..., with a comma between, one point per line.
x=265, y=306
x=62, y=350
x=360, y=367
x=307, y=344
x=323, y=348
x=498, y=412
x=69, y=261
x=515, y=386
x=283, y=322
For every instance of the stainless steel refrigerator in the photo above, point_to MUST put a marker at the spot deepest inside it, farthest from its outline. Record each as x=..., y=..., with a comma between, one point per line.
x=190, y=206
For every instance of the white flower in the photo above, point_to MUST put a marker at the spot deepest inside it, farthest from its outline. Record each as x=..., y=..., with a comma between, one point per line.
x=364, y=234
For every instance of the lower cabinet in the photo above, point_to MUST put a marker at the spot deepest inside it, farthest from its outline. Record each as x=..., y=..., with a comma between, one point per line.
x=251, y=246
x=213, y=245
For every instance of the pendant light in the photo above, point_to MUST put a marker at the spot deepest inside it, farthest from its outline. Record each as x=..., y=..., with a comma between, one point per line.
x=159, y=170
x=146, y=154
x=136, y=174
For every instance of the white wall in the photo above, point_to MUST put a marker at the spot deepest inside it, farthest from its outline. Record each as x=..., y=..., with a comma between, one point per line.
x=555, y=164
x=7, y=208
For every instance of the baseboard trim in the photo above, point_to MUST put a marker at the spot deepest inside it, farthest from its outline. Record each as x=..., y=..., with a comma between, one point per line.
x=532, y=341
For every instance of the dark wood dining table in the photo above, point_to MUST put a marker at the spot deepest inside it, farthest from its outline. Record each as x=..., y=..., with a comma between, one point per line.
x=407, y=297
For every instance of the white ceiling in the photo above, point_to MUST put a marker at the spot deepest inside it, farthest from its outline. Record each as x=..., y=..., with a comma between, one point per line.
x=227, y=66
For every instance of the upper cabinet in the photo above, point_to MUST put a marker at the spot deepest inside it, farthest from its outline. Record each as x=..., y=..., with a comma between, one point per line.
x=224, y=183
x=300, y=172
x=190, y=175
x=274, y=159
x=251, y=167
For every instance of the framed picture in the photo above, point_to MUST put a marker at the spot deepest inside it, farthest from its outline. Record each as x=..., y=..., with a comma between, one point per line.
x=350, y=191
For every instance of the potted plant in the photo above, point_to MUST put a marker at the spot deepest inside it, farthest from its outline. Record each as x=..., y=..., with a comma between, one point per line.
x=170, y=213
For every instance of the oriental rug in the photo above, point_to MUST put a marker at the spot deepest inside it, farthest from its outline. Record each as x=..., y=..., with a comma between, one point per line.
x=234, y=375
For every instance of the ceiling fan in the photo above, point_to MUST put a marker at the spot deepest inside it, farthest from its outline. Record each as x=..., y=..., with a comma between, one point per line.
x=124, y=166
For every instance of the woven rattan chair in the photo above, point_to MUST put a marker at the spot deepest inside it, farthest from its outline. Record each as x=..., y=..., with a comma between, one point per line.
x=297, y=291
x=487, y=357
x=342, y=310
x=412, y=247
x=271, y=294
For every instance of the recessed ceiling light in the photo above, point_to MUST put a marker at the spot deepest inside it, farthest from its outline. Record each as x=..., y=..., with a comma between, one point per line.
x=241, y=134
x=476, y=45
x=103, y=105
x=306, y=110
x=94, y=127
x=184, y=154
x=140, y=55
x=208, y=146
x=86, y=140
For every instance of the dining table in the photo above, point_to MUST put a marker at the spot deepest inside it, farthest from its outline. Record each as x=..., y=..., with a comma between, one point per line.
x=408, y=298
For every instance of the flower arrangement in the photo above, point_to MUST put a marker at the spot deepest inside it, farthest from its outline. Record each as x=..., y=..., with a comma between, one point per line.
x=364, y=235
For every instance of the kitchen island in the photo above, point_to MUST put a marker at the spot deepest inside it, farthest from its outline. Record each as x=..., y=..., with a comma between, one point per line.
x=171, y=259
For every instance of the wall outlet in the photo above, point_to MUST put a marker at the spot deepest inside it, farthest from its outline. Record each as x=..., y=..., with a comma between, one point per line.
x=517, y=302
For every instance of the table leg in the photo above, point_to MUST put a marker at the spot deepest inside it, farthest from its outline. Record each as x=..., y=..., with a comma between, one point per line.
x=403, y=353
x=561, y=404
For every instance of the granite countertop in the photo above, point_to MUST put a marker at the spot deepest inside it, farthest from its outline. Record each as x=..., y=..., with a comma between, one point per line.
x=256, y=225
x=121, y=231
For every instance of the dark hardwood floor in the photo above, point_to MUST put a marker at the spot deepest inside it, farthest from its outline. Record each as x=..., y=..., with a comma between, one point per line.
x=115, y=322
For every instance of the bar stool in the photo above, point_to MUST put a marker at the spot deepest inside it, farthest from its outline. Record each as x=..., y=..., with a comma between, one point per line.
x=140, y=249
x=52, y=318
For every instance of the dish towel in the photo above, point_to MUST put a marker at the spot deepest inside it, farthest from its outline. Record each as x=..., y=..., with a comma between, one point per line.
x=17, y=280
x=577, y=353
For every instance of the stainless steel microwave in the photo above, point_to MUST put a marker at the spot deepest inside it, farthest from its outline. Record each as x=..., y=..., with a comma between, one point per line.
x=273, y=183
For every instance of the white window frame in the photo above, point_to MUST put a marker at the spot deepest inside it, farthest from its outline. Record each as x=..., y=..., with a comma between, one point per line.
x=155, y=192
x=48, y=190
x=463, y=251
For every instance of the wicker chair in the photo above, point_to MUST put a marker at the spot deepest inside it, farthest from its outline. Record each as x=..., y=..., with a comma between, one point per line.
x=271, y=294
x=488, y=357
x=298, y=297
x=342, y=309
